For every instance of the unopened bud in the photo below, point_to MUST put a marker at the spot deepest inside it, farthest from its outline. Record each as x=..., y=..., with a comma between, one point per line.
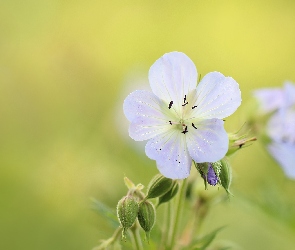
x=170, y=194
x=146, y=217
x=158, y=186
x=127, y=210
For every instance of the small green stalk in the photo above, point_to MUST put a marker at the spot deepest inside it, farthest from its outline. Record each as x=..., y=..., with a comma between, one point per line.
x=136, y=237
x=179, y=206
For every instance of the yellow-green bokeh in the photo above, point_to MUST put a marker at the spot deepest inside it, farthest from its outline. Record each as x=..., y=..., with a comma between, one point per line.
x=64, y=66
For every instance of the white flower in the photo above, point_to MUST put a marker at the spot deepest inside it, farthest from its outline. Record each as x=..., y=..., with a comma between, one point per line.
x=181, y=121
x=281, y=125
x=271, y=99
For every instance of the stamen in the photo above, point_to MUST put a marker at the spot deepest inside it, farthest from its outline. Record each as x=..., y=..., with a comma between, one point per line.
x=184, y=101
x=185, y=130
x=194, y=126
x=194, y=106
x=170, y=122
x=170, y=105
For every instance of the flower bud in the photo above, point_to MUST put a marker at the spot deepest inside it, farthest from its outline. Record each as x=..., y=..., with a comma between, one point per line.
x=170, y=194
x=127, y=210
x=158, y=186
x=225, y=175
x=146, y=217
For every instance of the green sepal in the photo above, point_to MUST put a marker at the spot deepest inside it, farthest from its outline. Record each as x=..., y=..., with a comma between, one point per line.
x=203, y=170
x=225, y=175
x=158, y=186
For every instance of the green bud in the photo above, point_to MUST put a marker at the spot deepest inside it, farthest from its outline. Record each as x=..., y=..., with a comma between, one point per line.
x=158, y=186
x=170, y=194
x=146, y=217
x=225, y=175
x=127, y=210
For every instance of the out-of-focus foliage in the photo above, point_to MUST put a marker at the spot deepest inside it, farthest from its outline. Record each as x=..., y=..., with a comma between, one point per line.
x=65, y=67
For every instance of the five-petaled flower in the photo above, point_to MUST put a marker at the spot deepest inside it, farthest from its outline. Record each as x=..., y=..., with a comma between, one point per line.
x=181, y=121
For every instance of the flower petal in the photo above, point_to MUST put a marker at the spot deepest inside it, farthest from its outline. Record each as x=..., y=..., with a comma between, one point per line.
x=284, y=154
x=170, y=152
x=144, y=128
x=172, y=77
x=143, y=109
x=289, y=90
x=280, y=126
x=207, y=140
x=269, y=99
x=217, y=96
x=142, y=103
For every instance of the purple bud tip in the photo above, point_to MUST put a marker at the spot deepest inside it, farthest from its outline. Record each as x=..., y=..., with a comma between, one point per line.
x=212, y=178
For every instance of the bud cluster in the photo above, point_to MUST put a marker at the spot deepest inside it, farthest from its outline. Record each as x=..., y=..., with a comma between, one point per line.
x=135, y=206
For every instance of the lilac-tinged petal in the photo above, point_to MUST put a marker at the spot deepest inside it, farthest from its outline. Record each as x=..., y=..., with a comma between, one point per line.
x=144, y=128
x=170, y=152
x=289, y=93
x=143, y=103
x=281, y=126
x=172, y=77
x=269, y=99
x=284, y=154
x=207, y=140
x=217, y=96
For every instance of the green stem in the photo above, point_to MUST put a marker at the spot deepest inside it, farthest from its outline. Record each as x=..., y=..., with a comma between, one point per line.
x=168, y=217
x=136, y=237
x=179, y=206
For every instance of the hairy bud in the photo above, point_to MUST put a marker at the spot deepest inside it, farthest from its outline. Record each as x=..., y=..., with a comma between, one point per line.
x=127, y=210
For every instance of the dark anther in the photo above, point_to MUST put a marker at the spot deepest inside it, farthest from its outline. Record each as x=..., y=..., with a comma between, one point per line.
x=194, y=126
x=170, y=105
x=185, y=130
x=184, y=101
x=170, y=122
x=194, y=106
x=223, y=120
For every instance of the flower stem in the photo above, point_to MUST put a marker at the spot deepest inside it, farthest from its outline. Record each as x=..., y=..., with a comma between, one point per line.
x=136, y=237
x=178, y=212
x=166, y=226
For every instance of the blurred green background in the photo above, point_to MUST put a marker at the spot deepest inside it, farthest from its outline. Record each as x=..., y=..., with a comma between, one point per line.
x=65, y=69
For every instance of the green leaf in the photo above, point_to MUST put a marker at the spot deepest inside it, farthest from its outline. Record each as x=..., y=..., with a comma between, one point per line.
x=106, y=212
x=203, y=242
